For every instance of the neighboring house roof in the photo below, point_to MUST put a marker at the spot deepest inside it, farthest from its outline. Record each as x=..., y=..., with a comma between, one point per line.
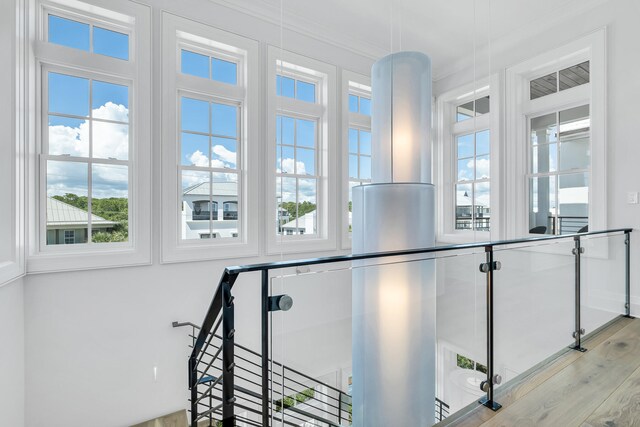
x=60, y=214
x=465, y=200
x=305, y=222
x=219, y=189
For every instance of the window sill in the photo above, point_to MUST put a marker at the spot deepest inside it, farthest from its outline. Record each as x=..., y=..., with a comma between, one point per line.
x=207, y=252
x=70, y=261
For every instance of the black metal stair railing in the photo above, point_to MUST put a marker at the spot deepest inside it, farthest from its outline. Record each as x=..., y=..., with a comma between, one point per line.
x=223, y=380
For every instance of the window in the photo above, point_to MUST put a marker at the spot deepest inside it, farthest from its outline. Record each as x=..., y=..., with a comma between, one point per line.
x=94, y=144
x=560, y=164
x=464, y=150
x=357, y=142
x=209, y=156
x=556, y=128
x=300, y=102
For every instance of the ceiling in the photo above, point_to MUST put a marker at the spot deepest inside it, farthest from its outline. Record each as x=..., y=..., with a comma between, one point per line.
x=445, y=29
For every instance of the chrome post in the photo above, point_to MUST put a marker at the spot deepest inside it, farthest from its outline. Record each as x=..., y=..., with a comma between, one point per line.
x=228, y=363
x=627, y=272
x=578, y=331
x=487, y=386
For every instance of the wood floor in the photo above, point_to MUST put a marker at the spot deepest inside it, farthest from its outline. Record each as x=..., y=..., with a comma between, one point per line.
x=598, y=388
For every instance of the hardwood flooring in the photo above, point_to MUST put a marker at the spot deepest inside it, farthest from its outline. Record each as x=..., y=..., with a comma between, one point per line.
x=598, y=388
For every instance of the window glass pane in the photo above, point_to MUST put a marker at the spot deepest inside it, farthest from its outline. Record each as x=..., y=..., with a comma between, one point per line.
x=60, y=101
x=194, y=64
x=305, y=133
x=353, y=140
x=365, y=106
x=68, y=136
x=573, y=195
x=574, y=76
x=365, y=142
x=305, y=91
x=365, y=167
x=542, y=86
x=544, y=158
x=109, y=203
x=225, y=198
x=68, y=33
x=224, y=71
x=110, y=43
x=224, y=153
x=195, y=150
x=353, y=166
x=465, y=146
x=287, y=206
x=542, y=205
x=464, y=111
x=110, y=140
x=287, y=130
x=195, y=206
x=353, y=104
x=224, y=119
x=288, y=160
x=544, y=129
x=307, y=206
x=305, y=161
x=482, y=142
x=67, y=203
x=465, y=170
x=464, y=207
x=482, y=105
x=195, y=115
x=482, y=167
x=285, y=86
x=110, y=101
x=575, y=127
x=482, y=205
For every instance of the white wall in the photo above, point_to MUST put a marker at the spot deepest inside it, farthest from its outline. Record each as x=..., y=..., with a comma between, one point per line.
x=620, y=17
x=12, y=364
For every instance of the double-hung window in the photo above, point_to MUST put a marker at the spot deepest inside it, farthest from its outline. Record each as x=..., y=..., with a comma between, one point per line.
x=93, y=145
x=210, y=88
x=301, y=100
x=464, y=172
x=356, y=151
x=556, y=130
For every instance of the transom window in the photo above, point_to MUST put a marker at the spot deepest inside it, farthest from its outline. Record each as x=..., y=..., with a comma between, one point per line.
x=290, y=87
x=560, y=80
x=359, y=104
x=560, y=159
x=474, y=108
x=208, y=67
x=473, y=205
x=87, y=37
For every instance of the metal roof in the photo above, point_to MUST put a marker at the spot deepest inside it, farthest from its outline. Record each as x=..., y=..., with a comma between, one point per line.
x=219, y=189
x=63, y=214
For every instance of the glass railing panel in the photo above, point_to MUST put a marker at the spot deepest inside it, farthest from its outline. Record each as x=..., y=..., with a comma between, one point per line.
x=534, y=295
x=603, y=285
x=461, y=328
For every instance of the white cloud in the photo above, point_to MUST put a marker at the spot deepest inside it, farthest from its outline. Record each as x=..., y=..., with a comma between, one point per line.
x=224, y=154
x=199, y=159
x=482, y=171
x=287, y=166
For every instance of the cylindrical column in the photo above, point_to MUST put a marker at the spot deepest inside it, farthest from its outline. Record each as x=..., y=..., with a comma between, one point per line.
x=393, y=337
x=401, y=118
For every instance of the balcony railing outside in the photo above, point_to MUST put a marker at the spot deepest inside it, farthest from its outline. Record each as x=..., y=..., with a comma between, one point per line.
x=538, y=295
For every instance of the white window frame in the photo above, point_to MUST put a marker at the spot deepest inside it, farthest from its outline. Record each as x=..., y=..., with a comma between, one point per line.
x=180, y=32
x=13, y=91
x=445, y=169
x=122, y=16
x=360, y=85
x=519, y=108
x=279, y=60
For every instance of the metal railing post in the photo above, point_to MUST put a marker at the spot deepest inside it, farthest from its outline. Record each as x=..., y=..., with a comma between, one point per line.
x=193, y=379
x=492, y=379
x=578, y=331
x=228, y=363
x=265, y=348
x=627, y=272
x=340, y=408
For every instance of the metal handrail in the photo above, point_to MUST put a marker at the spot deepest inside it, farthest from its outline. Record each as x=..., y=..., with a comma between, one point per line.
x=222, y=303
